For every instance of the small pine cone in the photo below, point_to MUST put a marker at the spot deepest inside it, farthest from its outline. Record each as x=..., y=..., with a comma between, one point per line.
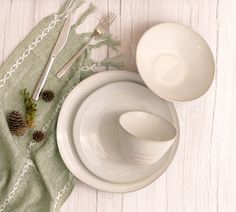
x=16, y=123
x=48, y=96
x=38, y=136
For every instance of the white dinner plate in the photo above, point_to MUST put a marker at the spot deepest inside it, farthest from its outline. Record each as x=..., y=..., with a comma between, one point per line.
x=65, y=140
x=175, y=62
x=96, y=130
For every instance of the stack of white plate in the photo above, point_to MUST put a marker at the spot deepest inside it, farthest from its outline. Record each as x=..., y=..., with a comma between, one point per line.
x=87, y=131
x=176, y=64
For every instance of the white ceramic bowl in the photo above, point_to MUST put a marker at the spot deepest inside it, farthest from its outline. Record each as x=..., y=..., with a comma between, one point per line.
x=145, y=137
x=175, y=62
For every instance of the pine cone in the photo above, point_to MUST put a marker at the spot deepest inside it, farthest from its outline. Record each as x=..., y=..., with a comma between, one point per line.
x=16, y=123
x=48, y=96
x=38, y=136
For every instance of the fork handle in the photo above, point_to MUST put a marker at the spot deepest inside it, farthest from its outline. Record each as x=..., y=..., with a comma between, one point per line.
x=72, y=60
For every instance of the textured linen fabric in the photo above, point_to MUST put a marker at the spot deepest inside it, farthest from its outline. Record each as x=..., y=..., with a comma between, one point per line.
x=33, y=177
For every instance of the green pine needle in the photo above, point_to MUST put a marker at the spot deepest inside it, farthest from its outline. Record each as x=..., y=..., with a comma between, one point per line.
x=31, y=108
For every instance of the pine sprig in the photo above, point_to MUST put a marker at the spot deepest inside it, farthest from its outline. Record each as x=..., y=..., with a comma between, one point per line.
x=31, y=108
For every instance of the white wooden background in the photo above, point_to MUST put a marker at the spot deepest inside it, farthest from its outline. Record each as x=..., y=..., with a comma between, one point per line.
x=202, y=177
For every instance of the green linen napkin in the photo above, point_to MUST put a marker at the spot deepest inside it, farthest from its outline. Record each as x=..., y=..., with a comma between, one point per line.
x=33, y=176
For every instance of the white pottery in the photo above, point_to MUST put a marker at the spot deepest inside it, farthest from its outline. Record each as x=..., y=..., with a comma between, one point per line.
x=175, y=62
x=96, y=129
x=65, y=141
x=145, y=137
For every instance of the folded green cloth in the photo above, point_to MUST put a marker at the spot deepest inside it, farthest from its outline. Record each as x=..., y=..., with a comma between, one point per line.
x=33, y=176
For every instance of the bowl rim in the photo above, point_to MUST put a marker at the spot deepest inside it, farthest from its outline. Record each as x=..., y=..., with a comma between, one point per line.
x=147, y=139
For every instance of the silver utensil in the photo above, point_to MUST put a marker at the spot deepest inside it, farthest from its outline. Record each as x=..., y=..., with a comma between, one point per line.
x=100, y=29
x=61, y=41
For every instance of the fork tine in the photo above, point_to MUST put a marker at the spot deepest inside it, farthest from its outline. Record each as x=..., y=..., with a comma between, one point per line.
x=105, y=20
x=110, y=14
x=112, y=17
x=105, y=23
x=108, y=20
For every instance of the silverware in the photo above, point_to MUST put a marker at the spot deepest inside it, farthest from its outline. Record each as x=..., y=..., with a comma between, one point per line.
x=61, y=41
x=100, y=29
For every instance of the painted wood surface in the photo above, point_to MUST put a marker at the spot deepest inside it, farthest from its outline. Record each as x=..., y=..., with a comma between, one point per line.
x=202, y=176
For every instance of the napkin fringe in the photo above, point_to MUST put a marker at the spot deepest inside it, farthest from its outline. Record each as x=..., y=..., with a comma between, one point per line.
x=68, y=7
x=116, y=62
x=84, y=15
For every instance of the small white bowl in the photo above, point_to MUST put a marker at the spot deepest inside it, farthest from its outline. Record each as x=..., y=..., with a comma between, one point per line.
x=175, y=62
x=144, y=137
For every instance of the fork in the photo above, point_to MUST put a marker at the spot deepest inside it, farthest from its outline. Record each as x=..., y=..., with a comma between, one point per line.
x=99, y=30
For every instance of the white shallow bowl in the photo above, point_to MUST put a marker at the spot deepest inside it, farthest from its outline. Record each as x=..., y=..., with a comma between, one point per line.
x=144, y=137
x=66, y=144
x=175, y=62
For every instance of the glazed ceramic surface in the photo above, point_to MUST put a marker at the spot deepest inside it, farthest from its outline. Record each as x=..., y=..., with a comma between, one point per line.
x=96, y=130
x=65, y=140
x=175, y=62
x=144, y=137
